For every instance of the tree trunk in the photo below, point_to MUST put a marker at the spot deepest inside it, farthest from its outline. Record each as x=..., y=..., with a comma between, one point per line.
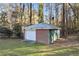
x=41, y=13
x=30, y=13
x=63, y=21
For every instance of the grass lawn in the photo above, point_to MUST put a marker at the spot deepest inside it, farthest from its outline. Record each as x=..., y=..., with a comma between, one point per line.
x=10, y=47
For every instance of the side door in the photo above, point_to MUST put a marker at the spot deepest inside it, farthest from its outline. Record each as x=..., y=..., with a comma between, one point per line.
x=51, y=36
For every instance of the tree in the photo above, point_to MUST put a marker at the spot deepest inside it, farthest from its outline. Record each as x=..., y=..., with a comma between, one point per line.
x=30, y=13
x=41, y=13
x=63, y=20
x=22, y=10
x=3, y=18
x=74, y=19
x=56, y=7
x=50, y=12
x=17, y=30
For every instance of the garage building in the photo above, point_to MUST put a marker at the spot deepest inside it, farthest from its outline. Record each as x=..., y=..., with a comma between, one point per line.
x=41, y=33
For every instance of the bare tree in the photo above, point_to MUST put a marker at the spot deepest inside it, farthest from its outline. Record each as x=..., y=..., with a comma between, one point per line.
x=30, y=13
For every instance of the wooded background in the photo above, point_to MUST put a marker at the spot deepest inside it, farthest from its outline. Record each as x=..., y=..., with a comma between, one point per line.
x=64, y=15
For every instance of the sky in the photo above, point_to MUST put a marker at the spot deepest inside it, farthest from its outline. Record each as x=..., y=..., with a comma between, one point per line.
x=35, y=6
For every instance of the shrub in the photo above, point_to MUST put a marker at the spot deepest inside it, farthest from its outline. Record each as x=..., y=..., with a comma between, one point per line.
x=17, y=30
x=6, y=31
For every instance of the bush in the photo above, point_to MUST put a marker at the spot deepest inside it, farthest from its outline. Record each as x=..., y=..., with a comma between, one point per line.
x=6, y=31
x=17, y=30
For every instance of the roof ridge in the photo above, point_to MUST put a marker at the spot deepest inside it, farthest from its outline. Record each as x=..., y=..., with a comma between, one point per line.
x=42, y=26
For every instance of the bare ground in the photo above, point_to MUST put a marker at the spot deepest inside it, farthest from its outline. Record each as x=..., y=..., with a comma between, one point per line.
x=71, y=40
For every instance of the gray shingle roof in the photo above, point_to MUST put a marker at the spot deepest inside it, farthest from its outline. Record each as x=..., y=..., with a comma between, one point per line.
x=41, y=26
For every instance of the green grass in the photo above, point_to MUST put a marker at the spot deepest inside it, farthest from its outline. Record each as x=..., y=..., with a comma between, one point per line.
x=20, y=48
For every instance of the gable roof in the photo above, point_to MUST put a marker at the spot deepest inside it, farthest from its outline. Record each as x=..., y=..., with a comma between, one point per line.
x=41, y=26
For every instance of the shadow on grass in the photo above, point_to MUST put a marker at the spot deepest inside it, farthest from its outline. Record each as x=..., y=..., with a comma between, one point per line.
x=21, y=48
x=57, y=52
x=66, y=51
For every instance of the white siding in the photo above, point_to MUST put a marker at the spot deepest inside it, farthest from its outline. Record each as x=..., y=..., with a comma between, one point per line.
x=30, y=35
x=58, y=32
x=55, y=35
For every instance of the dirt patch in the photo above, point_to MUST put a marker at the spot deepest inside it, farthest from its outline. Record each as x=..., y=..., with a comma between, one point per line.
x=69, y=41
